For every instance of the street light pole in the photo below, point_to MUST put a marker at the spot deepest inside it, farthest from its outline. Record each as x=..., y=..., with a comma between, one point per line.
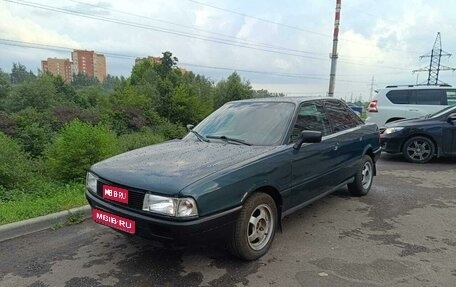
x=333, y=56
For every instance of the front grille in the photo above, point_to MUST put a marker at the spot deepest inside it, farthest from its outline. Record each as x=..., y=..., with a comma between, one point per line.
x=135, y=197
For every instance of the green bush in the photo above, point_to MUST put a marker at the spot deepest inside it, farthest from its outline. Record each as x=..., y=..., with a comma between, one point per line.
x=15, y=166
x=137, y=140
x=78, y=146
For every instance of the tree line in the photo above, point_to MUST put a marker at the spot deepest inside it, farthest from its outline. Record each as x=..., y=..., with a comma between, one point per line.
x=55, y=130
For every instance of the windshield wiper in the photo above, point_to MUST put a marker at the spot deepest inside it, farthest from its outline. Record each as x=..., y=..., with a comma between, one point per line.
x=228, y=139
x=199, y=136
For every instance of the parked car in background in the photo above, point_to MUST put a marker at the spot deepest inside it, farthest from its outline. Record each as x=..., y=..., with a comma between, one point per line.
x=237, y=173
x=419, y=140
x=405, y=102
x=357, y=109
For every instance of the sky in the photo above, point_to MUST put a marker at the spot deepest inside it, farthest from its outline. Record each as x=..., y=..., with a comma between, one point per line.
x=282, y=46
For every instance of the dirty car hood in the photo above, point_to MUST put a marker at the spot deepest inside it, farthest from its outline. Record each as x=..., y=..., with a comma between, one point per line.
x=169, y=167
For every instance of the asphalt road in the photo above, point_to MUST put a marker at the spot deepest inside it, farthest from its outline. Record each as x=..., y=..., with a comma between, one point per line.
x=403, y=233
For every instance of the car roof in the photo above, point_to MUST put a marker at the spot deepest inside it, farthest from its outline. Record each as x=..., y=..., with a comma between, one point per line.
x=294, y=100
x=418, y=87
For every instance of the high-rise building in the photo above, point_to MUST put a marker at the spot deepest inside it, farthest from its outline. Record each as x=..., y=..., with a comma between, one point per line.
x=151, y=59
x=89, y=63
x=58, y=67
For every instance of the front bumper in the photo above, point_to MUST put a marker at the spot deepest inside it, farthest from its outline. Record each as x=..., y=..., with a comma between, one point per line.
x=209, y=228
x=391, y=143
x=377, y=153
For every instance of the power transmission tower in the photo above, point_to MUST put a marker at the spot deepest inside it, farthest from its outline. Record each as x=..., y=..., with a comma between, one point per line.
x=434, y=64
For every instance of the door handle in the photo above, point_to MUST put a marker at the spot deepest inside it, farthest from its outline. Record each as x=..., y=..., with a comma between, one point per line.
x=335, y=147
x=413, y=110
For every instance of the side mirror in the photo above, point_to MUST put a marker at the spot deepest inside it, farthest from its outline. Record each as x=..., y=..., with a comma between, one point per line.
x=190, y=127
x=308, y=137
x=451, y=118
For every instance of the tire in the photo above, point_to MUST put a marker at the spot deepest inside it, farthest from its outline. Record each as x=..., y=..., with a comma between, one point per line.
x=257, y=217
x=418, y=149
x=363, y=178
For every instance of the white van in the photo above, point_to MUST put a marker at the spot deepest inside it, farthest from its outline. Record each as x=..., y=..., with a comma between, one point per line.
x=406, y=102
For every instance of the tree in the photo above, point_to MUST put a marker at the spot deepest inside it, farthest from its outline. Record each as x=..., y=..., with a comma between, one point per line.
x=5, y=84
x=266, y=94
x=232, y=89
x=82, y=80
x=20, y=75
x=111, y=82
x=168, y=61
x=76, y=148
x=40, y=94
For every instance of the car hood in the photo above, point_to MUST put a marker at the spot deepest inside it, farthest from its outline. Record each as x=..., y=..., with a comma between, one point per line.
x=169, y=167
x=409, y=122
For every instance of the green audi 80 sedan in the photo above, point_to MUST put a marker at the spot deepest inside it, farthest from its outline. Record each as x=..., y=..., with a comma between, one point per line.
x=236, y=174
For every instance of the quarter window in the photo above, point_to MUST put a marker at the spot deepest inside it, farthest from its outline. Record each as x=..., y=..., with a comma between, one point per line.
x=451, y=97
x=400, y=97
x=311, y=116
x=340, y=116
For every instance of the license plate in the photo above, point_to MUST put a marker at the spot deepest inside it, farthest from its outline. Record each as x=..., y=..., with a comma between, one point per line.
x=113, y=221
x=115, y=193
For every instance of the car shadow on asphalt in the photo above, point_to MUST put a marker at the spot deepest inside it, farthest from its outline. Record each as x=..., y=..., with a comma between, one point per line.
x=400, y=159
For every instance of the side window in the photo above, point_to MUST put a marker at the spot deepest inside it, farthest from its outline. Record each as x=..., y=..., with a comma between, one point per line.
x=340, y=116
x=399, y=97
x=311, y=116
x=428, y=97
x=451, y=97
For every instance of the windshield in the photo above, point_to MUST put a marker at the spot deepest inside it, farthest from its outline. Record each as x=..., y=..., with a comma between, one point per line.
x=256, y=123
x=442, y=112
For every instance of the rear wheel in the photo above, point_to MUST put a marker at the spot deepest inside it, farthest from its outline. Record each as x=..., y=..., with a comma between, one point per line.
x=363, y=178
x=255, y=228
x=418, y=150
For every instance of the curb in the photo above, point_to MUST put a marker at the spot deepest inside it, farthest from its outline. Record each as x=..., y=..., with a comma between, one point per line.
x=21, y=228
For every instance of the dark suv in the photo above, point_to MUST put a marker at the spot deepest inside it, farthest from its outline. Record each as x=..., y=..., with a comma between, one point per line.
x=237, y=173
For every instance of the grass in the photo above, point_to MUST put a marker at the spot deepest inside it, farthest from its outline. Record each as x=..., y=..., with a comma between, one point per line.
x=44, y=198
x=73, y=218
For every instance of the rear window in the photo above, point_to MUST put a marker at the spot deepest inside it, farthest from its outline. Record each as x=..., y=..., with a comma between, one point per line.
x=418, y=97
x=400, y=97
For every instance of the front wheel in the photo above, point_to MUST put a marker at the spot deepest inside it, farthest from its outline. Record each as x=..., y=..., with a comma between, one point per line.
x=363, y=178
x=255, y=227
x=418, y=150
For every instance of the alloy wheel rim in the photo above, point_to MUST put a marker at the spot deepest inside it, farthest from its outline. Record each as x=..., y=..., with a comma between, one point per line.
x=366, y=175
x=419, y=150
x=260, y=227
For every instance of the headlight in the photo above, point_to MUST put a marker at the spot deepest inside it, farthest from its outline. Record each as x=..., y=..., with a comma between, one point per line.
x=393, y=130
x=91, y=182
x=178, y=207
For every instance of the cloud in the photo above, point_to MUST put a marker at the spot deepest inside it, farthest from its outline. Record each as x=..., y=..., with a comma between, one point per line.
x=21, y=29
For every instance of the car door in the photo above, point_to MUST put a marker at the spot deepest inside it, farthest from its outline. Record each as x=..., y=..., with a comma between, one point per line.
x=313, y=161
x=346, y=130
x=425, y=101
x=449, y=137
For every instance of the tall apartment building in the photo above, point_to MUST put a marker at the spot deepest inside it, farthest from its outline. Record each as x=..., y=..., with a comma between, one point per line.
x=89, y=63
x=151, y=59
x=58, y=67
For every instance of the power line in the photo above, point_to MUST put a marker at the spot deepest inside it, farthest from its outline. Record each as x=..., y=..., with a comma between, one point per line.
x=177, y=33
x=254, y=43
x=260, y=19
x=198, y=29
x=22, y=44
x=286, y=25
x=157, y=29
